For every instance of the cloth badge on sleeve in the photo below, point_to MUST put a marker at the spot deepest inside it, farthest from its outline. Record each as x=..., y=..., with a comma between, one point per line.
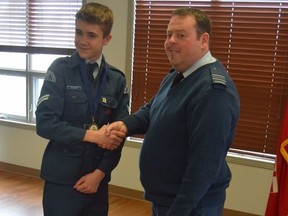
x=50, y=76
x=43, y=98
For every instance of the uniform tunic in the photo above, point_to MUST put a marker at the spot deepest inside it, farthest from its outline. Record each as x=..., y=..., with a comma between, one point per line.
x=63, y=114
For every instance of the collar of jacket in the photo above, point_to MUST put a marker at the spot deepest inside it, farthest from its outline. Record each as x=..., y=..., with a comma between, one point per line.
x=75, y=61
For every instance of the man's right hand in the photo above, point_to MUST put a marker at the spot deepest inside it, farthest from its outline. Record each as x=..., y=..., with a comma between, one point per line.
x=110, y=141
x=116, y=126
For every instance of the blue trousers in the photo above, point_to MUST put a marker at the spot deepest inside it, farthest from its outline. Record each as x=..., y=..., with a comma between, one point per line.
x=63, y=200
x=206, y=211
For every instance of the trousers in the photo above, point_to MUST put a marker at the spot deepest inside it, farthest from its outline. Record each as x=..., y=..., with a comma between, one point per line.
x=64, y=200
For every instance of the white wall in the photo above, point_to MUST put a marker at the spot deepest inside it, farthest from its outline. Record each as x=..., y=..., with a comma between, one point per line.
x=249, y=189
x=19, y=145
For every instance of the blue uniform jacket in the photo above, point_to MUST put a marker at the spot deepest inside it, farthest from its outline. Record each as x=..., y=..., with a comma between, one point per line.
x=63, y=113
x=189, y=129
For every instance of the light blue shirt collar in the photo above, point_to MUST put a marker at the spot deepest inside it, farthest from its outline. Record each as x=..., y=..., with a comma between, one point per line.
x=206, y=59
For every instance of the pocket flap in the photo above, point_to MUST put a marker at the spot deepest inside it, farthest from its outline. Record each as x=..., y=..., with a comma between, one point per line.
x=73, y=96
x=108, y=101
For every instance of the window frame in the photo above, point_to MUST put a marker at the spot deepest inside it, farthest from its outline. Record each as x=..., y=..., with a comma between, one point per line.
x=41, y=19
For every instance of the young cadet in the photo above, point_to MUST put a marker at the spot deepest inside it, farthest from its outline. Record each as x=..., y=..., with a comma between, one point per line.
x=189, y=125
x=73, y=110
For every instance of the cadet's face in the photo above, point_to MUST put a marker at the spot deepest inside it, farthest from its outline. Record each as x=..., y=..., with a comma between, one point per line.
x=89, y=40
x=181, y=45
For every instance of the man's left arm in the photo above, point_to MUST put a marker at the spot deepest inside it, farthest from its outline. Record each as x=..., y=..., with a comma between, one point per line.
x=210, y=128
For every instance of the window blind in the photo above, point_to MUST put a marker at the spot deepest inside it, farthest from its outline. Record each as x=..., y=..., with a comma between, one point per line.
x=33, y=25
x=249, y=37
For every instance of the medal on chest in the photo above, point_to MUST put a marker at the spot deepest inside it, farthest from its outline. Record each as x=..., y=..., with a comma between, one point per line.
x=93, y=125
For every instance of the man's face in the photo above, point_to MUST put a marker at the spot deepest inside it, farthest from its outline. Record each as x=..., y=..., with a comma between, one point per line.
x=89, y=40
x=181, y=45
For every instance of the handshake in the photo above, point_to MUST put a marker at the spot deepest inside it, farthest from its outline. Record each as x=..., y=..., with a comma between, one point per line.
x=108, y=136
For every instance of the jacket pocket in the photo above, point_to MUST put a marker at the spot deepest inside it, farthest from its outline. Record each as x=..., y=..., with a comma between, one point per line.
x=61, y=163
x=108, y=104
x=76, y=105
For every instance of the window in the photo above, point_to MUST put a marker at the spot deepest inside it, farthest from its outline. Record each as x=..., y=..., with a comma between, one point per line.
x=249, y=37
x=32, y=34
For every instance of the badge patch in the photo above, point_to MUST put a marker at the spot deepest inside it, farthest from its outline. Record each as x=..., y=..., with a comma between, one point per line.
x=69, y=87
x=104, y=100
x=126, y=90
x=43, y=98
x=50, y=76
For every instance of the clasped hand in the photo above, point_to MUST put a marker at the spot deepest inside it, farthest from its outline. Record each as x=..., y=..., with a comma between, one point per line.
x=108, y=136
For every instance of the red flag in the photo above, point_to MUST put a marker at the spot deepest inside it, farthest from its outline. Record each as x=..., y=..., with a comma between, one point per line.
x=278, y=198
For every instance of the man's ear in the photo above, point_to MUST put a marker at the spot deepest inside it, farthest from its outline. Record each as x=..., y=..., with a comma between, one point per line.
x=107, y=39
x=205, y=40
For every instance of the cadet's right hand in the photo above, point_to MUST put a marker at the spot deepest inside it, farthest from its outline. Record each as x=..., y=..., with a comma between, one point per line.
x=116, y=126
x=101, y=138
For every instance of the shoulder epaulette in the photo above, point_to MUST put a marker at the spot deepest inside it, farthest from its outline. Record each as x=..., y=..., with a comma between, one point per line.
x=116, y=69
x=60, y=60
x=217, y=79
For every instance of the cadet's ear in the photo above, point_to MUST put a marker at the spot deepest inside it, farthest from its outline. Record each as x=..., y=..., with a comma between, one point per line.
x=107, y=39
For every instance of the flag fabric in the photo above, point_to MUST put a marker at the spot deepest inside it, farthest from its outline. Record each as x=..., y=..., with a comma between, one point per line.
x=277, y=204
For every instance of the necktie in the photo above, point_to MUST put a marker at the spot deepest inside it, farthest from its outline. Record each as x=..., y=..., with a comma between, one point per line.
x=177, y=79
x=91, y=69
